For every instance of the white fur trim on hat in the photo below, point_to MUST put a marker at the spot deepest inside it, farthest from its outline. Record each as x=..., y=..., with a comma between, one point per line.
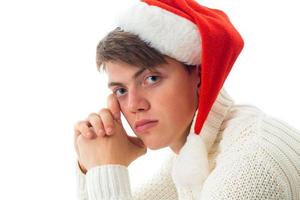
x=191, y=167
x=169, y=33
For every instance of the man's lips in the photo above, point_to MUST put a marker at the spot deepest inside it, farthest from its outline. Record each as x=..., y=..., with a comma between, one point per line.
x=144, y=125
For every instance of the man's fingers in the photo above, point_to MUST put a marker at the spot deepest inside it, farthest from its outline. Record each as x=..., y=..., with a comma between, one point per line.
x=84, y=128
x=107, y=120
x=97, y=124
x=113, y=105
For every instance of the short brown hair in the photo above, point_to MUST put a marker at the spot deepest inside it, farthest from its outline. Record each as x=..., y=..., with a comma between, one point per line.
x=119, y=45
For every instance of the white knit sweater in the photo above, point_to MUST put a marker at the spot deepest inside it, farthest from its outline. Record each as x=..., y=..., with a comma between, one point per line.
x=251, y=156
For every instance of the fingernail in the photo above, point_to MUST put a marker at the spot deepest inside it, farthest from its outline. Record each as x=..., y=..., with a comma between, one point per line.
x=88, y=134
x=109, y=130
x=100, y=132
x=117, y=115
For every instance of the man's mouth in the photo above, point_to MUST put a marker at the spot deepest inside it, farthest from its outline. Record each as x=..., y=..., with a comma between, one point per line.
x=144, y=125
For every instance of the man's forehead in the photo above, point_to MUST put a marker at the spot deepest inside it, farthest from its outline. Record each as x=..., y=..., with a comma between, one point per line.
x=113, y=68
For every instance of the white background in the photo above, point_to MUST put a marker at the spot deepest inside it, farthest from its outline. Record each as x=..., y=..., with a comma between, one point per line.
x=49, y=81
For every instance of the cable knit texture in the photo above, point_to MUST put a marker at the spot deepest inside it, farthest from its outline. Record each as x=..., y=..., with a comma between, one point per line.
x=251, y=155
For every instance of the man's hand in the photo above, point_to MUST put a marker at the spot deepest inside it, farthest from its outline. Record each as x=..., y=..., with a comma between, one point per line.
x=101, y=139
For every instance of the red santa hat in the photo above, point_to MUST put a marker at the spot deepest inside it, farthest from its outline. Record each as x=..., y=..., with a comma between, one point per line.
x=190, y=33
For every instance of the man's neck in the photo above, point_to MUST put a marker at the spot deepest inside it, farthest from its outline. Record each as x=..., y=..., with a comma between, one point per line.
x=179, y=142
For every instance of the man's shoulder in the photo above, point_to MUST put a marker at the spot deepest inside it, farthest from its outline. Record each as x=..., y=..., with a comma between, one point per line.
x=242, y=121
x=254, y=132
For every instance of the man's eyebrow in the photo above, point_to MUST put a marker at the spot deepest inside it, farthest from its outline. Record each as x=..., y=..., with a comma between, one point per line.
x=135, y=76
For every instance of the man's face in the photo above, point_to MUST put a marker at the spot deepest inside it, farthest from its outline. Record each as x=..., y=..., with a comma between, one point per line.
x=159, y=105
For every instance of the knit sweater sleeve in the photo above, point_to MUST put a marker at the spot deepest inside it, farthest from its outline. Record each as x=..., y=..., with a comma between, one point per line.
x=81, y=184
x=112, y=182
x=249, y=173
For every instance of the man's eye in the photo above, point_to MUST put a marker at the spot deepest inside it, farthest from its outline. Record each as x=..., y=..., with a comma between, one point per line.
x=120, y=91
x=152, y=79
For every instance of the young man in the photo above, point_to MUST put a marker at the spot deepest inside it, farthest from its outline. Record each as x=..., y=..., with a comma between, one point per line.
x=167, y=63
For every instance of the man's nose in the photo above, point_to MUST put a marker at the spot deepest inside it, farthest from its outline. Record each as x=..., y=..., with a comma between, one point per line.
x=137, y=101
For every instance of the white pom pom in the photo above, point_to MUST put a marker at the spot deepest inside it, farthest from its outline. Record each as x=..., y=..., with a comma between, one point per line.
x=191, y=167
